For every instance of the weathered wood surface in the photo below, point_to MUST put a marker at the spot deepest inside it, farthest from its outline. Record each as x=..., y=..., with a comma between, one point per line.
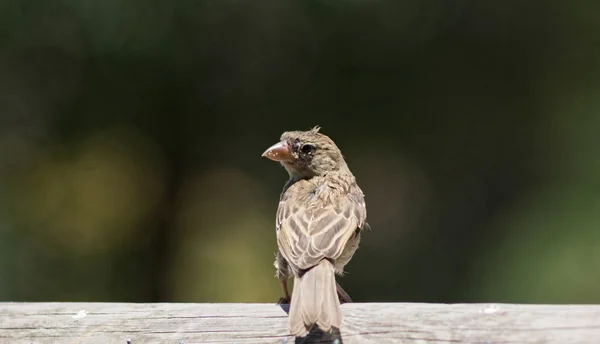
x=107, y=323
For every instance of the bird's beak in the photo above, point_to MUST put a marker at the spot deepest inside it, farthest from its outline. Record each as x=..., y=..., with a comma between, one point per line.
x=279, y=152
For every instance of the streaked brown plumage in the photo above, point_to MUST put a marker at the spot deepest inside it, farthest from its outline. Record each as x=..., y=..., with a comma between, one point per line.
x=320, y=217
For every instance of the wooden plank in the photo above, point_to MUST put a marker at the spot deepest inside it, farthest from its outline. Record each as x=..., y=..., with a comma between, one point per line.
x=174, y=323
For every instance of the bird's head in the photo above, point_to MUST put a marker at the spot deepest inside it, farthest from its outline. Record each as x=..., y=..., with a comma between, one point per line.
x=306, y=154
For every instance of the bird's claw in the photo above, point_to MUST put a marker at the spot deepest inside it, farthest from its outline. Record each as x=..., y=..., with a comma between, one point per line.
x=342, y=295
x=344, y=300
x=285, y=300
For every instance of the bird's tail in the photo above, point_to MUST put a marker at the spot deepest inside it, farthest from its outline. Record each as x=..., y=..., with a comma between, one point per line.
x=315, y=301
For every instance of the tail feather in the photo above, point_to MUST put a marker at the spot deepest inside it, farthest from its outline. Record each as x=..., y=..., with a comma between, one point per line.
x=315, y=301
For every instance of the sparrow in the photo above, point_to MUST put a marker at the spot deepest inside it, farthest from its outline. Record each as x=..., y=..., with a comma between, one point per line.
x=319, y=221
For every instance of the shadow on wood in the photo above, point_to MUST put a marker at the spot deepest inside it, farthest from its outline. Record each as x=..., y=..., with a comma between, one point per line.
x=316, y=335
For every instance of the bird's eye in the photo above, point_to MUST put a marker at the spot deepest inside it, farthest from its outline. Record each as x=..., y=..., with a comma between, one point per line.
x=307, y=148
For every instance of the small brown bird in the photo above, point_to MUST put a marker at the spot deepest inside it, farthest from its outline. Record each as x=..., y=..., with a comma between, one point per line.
x=320, y=218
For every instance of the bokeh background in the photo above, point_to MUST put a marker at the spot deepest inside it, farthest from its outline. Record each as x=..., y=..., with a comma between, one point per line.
x=131, y=135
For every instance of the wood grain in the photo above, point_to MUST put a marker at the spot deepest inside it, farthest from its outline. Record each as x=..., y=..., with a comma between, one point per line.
x=173, y=323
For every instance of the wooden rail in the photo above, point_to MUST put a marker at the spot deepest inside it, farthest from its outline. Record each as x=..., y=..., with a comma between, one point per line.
x=176, y=323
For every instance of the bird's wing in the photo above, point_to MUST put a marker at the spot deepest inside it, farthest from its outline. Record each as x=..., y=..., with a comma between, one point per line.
x=307, y=235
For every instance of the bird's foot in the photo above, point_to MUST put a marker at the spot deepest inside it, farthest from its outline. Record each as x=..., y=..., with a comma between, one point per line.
x=342, y=295
x=285, y=300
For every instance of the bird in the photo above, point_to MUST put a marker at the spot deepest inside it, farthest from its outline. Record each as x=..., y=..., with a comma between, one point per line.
x=320, y=218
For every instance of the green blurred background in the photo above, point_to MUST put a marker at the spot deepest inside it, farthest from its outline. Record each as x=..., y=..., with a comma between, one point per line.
x=131, y=135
